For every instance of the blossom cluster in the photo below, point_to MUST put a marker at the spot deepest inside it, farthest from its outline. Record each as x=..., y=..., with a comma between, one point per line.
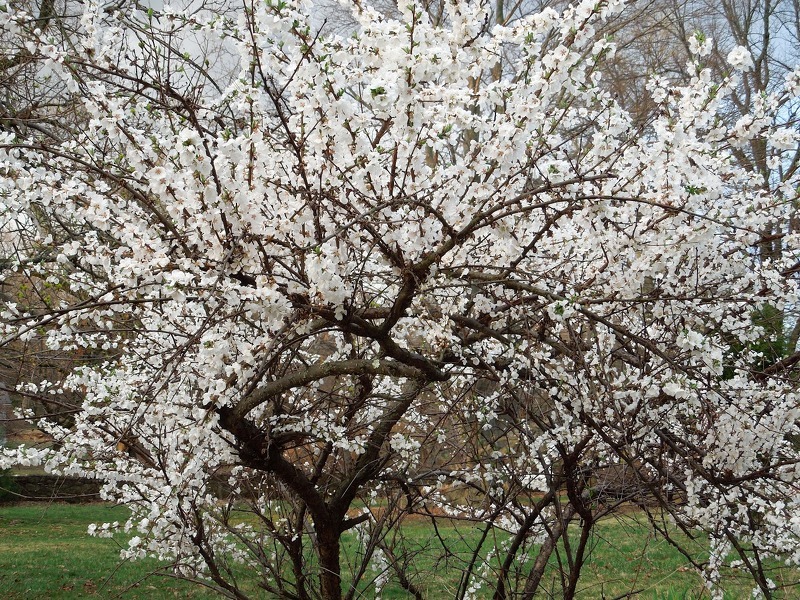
x=435, y=257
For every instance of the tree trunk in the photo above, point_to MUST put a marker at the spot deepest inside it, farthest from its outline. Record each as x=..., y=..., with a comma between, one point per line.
x=535, y=576
x=329, y=568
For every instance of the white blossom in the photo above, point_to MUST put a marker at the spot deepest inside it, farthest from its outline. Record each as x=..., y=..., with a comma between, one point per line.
x=739, y=58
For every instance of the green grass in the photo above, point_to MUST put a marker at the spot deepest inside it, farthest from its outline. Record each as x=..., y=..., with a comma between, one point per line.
x=628, y=558
x=46, y=553
x=624, y=559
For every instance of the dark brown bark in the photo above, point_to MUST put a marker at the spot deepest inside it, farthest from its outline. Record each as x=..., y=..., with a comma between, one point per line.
x=328, y=538
x=516, y=543
x=580, y=557
x=537, y=572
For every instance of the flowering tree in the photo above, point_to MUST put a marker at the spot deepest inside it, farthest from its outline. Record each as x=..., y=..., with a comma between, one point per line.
x=762, y=35
x=428, y=269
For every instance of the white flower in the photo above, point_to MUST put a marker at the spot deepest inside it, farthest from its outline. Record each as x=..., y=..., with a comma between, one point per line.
x=674, y=389
x=793, y=82
x=739, y=58
x=157, y=178
x=783, y=139
x=700, y=45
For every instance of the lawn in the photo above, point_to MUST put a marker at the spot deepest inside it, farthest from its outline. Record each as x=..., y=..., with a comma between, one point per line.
x=46, y=553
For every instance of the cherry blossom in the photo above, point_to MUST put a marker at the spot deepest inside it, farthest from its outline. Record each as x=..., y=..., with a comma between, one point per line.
x=426, y=268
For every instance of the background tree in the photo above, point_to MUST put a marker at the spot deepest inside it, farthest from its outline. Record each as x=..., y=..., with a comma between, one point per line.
x=431, y=268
